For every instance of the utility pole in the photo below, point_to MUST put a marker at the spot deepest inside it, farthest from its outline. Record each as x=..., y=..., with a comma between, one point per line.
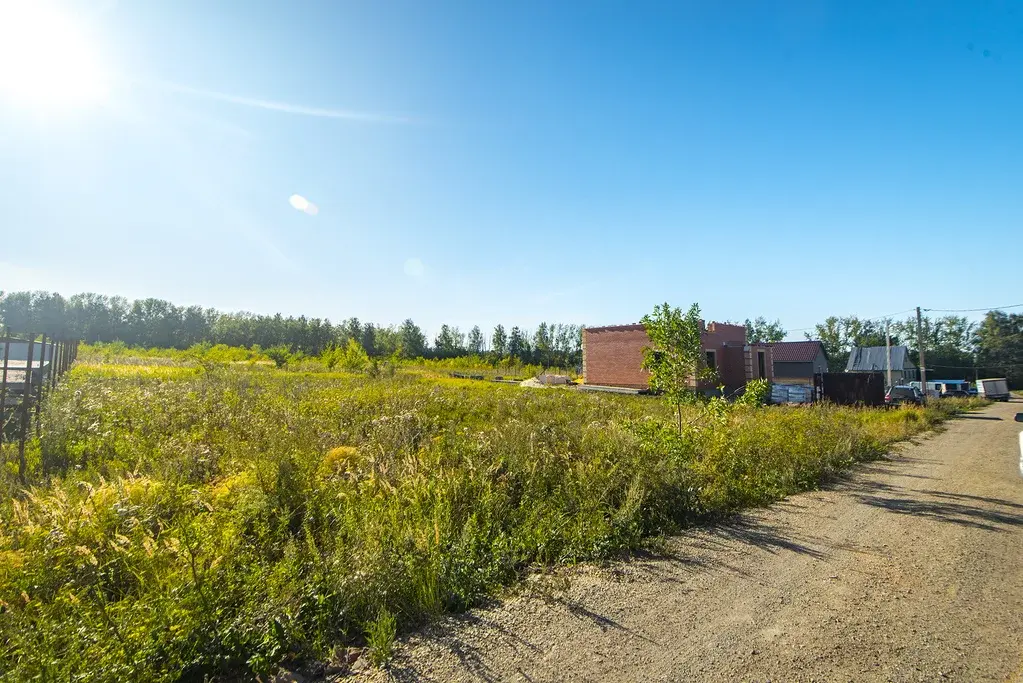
x=888, y=353
x=920, y=346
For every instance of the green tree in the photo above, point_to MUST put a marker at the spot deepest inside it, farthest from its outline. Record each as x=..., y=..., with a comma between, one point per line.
x=675, y=360
x=948, y=340
x=449, y=342
x=350, y=329
x=999, y=343
x=369, y=339
x=386, y=340
x=353, y=357
x=499, y=341
x=413, y=341
x=829, y=333
x=474, y=344
x=760, y=331
x=17, y=312
x=840, y=335
x=516, y=343
x=543, y=344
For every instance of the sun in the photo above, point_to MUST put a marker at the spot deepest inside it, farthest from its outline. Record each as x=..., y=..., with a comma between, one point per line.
x=46, y=60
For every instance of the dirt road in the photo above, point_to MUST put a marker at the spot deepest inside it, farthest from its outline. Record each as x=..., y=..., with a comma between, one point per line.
x=911, y=569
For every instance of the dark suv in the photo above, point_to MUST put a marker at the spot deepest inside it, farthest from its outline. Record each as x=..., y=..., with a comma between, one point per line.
x=898, y=395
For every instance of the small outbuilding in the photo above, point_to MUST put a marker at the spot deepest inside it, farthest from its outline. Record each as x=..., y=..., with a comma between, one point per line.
x=875, y=359
x=797, y=362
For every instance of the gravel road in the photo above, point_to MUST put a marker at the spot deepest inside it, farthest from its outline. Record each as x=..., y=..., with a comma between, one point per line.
x=911, y=569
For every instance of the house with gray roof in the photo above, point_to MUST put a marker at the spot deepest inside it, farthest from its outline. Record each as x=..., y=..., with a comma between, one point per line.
x=874, y=359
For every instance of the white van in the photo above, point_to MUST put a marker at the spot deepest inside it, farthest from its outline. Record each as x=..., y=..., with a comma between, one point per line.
x=995, y=389
x=944, y=387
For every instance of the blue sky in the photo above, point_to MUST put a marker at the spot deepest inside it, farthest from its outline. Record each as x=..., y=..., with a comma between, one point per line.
x=577, y=162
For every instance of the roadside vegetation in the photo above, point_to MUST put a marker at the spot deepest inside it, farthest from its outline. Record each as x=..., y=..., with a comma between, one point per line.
x=195, y=519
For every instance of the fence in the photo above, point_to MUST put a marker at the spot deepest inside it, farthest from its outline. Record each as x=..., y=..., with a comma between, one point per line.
x=851, y=388
x=29, y=372
x=842, y=388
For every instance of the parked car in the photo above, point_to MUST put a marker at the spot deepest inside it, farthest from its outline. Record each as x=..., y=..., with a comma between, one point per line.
x=995, y=389
x=944, y=388
x=903, y=394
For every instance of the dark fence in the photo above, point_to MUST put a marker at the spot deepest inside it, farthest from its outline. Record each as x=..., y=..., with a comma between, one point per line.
x=851, y=388
x=31, y=368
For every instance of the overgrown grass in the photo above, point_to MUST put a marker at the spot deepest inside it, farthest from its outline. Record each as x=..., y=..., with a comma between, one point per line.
x=194, y=522
x=119, y=353
x=333, y=358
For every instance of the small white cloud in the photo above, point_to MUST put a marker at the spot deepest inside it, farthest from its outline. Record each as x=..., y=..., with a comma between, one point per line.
x=414, y=267
x=302, y=204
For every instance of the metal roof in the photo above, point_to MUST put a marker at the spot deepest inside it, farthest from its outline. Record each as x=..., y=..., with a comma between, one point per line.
x=872, y=359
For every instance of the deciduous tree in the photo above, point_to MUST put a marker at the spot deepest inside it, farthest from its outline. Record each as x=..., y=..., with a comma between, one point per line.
x=675, y=358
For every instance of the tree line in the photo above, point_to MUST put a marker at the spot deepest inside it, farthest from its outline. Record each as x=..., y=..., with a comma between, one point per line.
x=158, y=323
x=955, y=346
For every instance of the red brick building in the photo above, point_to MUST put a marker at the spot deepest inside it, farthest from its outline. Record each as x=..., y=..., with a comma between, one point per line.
x=613, y=356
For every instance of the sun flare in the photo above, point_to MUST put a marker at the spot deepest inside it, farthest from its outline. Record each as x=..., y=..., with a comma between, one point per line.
x=46, y=59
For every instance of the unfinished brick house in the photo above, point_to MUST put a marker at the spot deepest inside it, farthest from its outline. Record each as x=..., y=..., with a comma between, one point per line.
x=613, y=356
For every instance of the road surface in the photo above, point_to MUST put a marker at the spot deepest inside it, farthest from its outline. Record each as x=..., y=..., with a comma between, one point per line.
x=909, y=570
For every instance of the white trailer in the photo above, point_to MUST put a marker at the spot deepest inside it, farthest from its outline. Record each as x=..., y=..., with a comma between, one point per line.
x=996, y=389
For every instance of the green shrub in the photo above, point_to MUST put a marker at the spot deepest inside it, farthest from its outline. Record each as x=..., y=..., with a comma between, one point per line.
x=756, y=393
x=280, y=355
x=380, y=636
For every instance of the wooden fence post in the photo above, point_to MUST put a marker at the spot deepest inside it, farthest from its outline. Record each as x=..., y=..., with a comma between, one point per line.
x=3, y=386
x=54, y=353
x=26, y=407
x=39, y=386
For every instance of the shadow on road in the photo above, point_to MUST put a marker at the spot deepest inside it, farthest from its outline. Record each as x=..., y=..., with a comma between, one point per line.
x=764, y=536
x=990, y=514
x=982, y=499
x=472, y=658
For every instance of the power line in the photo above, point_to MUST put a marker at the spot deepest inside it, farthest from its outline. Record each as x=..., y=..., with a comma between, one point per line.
x=992, y=366
x=971, y=310
x=876, y=318
x=880, y=318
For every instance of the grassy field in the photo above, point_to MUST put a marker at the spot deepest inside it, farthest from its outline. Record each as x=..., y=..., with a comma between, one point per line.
x=214, y=521
x=119, y=354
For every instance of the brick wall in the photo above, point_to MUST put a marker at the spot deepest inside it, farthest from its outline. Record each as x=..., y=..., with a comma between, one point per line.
x=719, y=334
x=753, y=363
x=612, y=355
x=732, y=370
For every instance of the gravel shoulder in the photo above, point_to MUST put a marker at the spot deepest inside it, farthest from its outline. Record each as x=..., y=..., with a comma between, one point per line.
x=909, y=569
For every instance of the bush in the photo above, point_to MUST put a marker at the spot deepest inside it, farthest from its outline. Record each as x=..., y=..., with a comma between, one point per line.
x=280, y=355
x=757, y=393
